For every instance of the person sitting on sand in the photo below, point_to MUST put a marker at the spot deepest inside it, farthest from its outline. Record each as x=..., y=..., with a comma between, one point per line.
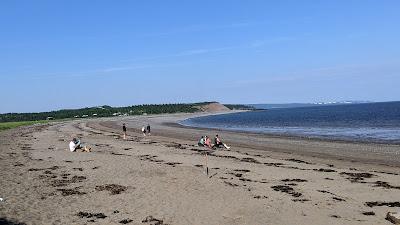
x=218, y=143
x=208, y=142
x=201, y=142
x=74, y=145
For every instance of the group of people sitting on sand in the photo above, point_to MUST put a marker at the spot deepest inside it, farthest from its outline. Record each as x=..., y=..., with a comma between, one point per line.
x=205, y=141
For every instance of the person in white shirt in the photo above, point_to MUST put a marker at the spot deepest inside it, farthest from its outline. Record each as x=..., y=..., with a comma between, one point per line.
x=144, y=131
x=74, y=145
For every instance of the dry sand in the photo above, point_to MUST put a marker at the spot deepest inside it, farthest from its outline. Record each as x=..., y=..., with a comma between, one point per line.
x=160, y=179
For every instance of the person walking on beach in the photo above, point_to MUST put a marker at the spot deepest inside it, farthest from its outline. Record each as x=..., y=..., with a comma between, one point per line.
x=144, y=131
x=124, y=130
x=218, y=143
x=148, y=129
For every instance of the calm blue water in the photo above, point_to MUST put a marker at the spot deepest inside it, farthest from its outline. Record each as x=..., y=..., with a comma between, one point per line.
x=372, y=122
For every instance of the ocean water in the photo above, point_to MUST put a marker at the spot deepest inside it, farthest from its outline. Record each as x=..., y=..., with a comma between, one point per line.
x=370, y=122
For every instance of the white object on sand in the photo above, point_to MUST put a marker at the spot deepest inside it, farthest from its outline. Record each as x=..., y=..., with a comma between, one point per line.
x=2, y=200
x=73, y=145
x=393, y=217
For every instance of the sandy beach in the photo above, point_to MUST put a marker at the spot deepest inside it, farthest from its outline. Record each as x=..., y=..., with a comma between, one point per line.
x=161, y=179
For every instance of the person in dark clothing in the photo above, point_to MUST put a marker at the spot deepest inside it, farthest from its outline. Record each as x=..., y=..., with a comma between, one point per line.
x=218, y=143
x=148, y=129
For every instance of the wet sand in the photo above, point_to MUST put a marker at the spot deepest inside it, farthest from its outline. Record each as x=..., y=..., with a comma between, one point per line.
x=161, y=179
x=349, y=153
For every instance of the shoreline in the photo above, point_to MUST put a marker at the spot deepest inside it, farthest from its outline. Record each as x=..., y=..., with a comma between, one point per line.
x=167, y=126
x=290, y=136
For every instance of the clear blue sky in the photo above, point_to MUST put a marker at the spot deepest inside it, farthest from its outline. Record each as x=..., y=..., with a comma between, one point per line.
x=71, y=54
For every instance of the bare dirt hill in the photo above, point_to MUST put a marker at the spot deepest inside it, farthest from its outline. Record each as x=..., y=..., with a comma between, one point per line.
x=213, y=107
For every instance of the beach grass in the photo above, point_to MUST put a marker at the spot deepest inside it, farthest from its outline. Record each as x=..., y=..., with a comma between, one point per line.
x=9, y=125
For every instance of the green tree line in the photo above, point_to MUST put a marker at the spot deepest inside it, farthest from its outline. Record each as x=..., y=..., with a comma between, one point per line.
x=107, y=111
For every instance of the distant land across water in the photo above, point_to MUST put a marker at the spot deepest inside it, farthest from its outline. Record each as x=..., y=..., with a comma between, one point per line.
x=298, y=105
